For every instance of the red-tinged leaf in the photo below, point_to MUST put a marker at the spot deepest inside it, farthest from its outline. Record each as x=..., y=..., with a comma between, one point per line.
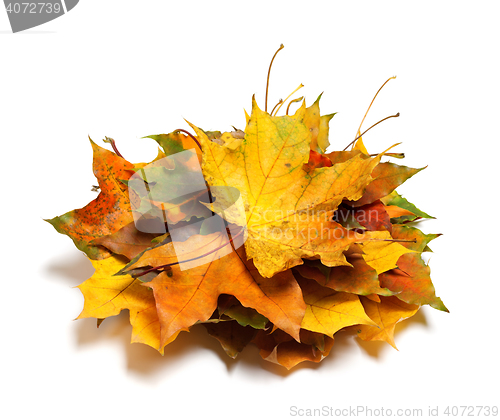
x=387, y=177
x=373, y=216
x=412, y=282
x=109, y=212
x=280, y=348
x=317, y=160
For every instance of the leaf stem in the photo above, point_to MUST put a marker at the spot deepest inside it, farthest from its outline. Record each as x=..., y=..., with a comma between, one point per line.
x=113, y=145
x=300, y=87
x=275, y=106
x=371, y=103
x=413, y=241
x=291, y=102
x=396, y=155
x=269, y=72
x=190, y=135
x=361, y=135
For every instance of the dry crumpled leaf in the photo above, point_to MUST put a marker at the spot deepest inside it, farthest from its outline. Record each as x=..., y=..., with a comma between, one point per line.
x=185, y=297
x=127, y=241
x=278, y=347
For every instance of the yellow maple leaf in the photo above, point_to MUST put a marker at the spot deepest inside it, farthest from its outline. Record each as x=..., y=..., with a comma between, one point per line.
x=360, y=146
x=287, y=208
x=381, y=254
x=327, y=311
x=107, y=295
x=386, y=314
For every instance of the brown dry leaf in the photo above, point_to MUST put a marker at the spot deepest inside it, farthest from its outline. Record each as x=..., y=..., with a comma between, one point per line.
x=280, y=348
x=360, y=278
x=184, y=297
x=128, y=241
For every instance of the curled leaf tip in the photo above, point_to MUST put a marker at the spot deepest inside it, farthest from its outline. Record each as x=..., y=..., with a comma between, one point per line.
x=319, y=97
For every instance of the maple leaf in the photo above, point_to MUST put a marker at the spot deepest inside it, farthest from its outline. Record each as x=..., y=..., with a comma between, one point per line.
x=382, y=255
x=402, y=209
x=283, y=202
x=386, y=314
x=408, y=233
x=318, y=126
x=105, y=215
x=184, y=297
x=107, y=295
x=328, y=311
x=386, y=177
x=412, y=282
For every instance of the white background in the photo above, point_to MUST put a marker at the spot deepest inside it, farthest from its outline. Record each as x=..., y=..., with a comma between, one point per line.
x=127, y=69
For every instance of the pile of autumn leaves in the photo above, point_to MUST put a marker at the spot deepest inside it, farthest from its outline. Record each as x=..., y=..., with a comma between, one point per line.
x=334, y=250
